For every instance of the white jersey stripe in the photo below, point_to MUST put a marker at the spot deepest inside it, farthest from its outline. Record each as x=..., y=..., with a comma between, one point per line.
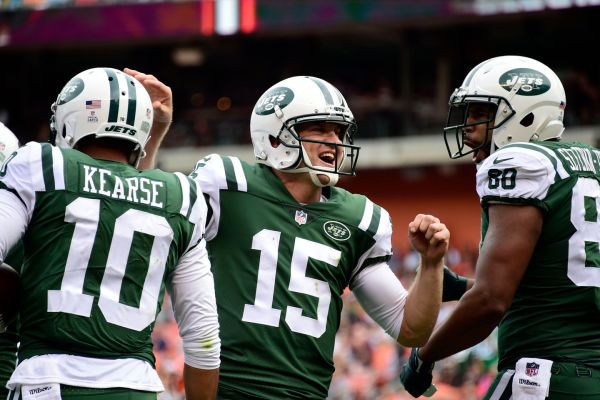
x=36, y=168
x=384, y=222
x=198, y=208
x=185, y=193
x=242, y=184
x=367, y=216
x=58, y=169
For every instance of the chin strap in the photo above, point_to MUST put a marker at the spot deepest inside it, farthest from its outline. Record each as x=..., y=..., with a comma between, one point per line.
x=314, y=175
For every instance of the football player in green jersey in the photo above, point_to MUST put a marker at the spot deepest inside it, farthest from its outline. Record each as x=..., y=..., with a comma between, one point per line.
x=9, y=337
x=285, y=242
x=538, y=275
x=102, y=241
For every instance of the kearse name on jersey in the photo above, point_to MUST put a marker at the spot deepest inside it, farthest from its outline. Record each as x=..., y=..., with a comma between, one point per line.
x=141, y=190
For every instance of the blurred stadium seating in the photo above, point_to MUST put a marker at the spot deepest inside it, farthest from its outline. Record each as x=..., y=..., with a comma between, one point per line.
x=395, y=61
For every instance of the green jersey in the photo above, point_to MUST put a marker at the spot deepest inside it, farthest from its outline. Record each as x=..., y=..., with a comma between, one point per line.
x=280, y=268
x=102, y=240
x=555, y=313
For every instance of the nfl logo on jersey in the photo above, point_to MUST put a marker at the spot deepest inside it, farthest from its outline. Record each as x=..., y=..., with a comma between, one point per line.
x=531, y=369
x=301, y=217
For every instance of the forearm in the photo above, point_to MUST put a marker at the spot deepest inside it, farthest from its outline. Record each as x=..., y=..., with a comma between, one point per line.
x=200, y=384
x=157, y=134
x=475, y=317
x=422, y=306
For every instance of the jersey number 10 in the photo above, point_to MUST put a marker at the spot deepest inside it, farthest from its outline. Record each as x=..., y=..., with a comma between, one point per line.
x=85, y=214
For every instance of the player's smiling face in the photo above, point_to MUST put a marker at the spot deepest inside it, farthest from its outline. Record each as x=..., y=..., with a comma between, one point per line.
x=475, y=133
x=322, y=154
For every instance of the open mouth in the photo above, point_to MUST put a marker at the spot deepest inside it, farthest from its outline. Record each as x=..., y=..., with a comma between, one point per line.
x=328, y=158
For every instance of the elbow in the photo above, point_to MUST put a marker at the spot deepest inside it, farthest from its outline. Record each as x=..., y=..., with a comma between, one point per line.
x=202, y=347
x=410, y=337
x=492, y=306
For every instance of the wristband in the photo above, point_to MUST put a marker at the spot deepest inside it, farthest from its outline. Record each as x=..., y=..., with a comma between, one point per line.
x=454, y=285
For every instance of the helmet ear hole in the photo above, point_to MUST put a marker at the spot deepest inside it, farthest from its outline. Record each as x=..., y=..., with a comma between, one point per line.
x=275, y=142
x=527, y=120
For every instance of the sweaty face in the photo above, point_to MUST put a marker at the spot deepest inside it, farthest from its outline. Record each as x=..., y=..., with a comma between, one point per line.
x=477, y=133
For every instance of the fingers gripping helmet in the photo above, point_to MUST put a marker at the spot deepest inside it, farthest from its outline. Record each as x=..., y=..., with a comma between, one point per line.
x=275, y=118
x=527, y=96
x=8, y=143
x=103, y=102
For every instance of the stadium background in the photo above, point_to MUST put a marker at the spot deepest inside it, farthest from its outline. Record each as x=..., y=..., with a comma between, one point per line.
x=395, y=61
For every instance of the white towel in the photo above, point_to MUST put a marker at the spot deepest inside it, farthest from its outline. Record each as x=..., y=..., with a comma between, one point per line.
x=532, y=379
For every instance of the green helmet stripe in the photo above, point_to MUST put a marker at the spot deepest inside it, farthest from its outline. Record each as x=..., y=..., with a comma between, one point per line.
x=324, y=90
x=132, y=104
x=113, y=111
x=47, y=166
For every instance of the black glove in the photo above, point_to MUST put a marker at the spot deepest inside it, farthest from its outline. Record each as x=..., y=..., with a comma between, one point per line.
x=416, y=376
x=454, y=285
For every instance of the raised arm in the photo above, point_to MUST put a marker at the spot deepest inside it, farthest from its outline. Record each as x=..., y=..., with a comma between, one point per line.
x=162, y=103
x=430, y=238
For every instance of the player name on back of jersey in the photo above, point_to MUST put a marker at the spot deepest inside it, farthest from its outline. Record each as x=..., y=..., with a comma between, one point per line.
x=141, y=190
x=581, y=159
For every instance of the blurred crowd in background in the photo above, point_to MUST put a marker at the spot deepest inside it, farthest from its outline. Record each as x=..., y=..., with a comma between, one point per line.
x=380, y=111
x=213, y=117
x=367, y=360
x=396, y=70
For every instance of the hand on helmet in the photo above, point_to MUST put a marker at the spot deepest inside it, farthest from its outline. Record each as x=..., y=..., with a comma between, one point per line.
x=160, y=94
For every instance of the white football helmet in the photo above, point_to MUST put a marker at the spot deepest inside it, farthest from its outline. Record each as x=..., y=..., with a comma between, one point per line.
x=293, y=101
x=528, y=98
x=8, y=143
x=103, y=102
